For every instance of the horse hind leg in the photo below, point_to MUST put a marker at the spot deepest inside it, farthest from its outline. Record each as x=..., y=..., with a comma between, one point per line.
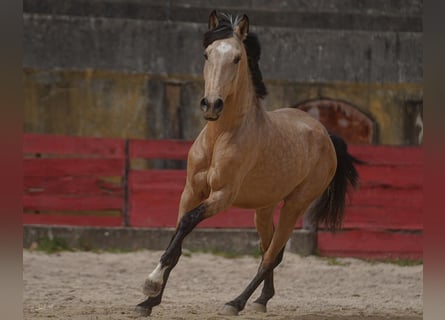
x=264, y=273
x=260, y=304
x=265, y=228
x=289, y=215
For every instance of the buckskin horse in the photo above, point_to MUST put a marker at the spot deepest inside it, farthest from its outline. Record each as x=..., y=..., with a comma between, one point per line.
x=250, y=158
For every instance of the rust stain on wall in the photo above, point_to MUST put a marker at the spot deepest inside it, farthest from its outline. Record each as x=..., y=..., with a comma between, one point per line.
x=342, y=119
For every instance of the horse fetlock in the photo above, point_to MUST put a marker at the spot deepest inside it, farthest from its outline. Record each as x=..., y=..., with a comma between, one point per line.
x=151, y=288
x=153, y=285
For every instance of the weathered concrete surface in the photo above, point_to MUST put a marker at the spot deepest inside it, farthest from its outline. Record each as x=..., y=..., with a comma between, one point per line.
x=171, y=47
x=238, y=241
x=132, y=68
x=110, y=104
x=190, y=10
x=129, y=105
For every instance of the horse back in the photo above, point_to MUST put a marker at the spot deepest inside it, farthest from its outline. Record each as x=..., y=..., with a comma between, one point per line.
x=298, y=129
x=292, y=147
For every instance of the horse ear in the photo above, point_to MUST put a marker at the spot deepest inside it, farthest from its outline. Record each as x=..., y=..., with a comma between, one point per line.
x=213, y=20
x=242, y=29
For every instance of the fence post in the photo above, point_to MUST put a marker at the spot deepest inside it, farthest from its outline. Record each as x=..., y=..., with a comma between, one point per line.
x=125, y=186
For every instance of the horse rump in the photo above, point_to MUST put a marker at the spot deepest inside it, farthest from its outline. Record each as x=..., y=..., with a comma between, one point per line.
x=330, y=206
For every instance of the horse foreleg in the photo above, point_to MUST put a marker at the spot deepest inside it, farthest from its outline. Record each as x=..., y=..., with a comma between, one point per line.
x=145, y=308
x=156, y=281
x=154, y=285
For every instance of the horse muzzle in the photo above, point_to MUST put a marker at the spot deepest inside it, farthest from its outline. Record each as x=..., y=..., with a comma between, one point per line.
x=211, y=110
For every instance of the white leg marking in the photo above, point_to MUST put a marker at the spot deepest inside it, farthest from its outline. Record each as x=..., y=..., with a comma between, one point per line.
x=153, y=284
x=158, y=274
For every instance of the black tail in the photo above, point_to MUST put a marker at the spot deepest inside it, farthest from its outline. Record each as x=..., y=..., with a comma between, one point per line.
x=329, y=208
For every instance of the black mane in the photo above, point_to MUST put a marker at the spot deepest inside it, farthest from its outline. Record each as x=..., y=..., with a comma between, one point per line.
x=224, y=30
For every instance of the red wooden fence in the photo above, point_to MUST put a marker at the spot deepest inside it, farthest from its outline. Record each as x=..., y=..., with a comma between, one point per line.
x=65, y=178
x=91, y=181
x=384, y=218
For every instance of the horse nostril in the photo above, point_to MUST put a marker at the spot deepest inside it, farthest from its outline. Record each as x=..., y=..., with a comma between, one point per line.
x=204, y=104
x=218, y=105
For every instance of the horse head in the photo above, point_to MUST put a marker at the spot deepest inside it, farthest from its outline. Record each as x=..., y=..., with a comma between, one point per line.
x=225, y=63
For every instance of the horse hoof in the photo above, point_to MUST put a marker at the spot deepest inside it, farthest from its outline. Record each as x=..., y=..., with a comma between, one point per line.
x=143, y=311
x=151, y=288
x=258, y=307
x=228, y=310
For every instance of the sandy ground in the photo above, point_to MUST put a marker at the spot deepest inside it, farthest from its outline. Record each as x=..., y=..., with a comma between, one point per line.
x=86, y=285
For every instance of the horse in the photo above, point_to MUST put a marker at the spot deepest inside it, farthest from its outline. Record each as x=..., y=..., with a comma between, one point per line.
x=250, y=158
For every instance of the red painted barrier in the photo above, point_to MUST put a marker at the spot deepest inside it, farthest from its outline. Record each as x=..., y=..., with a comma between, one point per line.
x=71, y=145
x=73, y=180
x=384, y=218
x=364, y=243
x=91, y=181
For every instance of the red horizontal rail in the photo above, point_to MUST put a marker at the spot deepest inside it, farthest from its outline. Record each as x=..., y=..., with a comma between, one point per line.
x=406, y=177
x=72, y=145
x=366, y=243
x=72, y=167
x=140, y=180
x=381, y=197
x=159, y=149
x=71, y=203
x=388, y=155
x=71, y=185
x=72, y=220
x=380, y=218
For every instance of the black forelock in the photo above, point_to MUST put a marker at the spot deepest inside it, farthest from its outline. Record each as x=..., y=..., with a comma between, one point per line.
x=224, y=30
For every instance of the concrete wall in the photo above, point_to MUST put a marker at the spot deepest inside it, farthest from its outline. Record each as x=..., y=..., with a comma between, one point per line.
x=111, y=104
x=132, y=68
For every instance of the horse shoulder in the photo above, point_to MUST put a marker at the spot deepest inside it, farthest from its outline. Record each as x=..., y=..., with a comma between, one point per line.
x=198, y=162
x=199, y=154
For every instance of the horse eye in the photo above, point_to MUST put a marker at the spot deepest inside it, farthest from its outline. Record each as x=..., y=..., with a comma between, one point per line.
x=205, y=55
x=236, y=60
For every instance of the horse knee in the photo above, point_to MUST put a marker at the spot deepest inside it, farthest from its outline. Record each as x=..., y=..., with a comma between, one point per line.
x=191, y=219
x=187, y=223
